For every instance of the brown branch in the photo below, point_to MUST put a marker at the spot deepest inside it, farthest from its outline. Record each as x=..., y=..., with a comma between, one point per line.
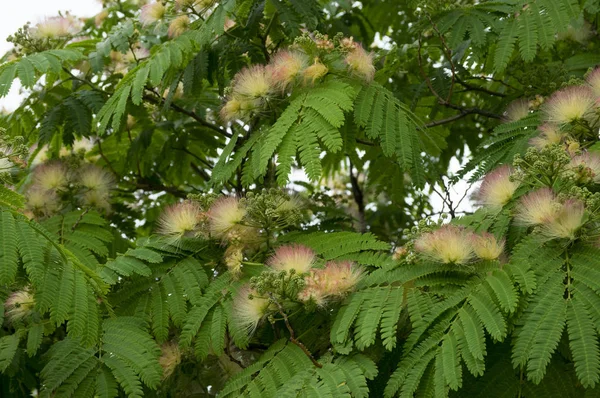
x=201, y=172
x=230, y=354
x=470, y=87
x=447, y=53
x=357, y=194
x=106, y=160
x=474, y=110
x=191, y=114
x=492, y=79
x=363, y=142
x=83, y=213
x=147, y=186
x=445, y=101
x=293, y=335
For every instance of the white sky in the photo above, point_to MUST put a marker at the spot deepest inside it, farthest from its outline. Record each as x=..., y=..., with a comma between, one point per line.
x=22, y=11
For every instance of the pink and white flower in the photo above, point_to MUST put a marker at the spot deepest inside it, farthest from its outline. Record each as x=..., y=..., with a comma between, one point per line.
x=570, y=104
x=360, y=63
x=569, y=219
x=292, y=257
x=486, y=246
x=538, y=207
x=249, y=309
x=449, y=245
x=152, y=13
x=180, y=220
x=497, y=188
x=516, y=110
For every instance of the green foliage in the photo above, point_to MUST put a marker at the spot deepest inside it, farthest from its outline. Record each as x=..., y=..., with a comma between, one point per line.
x=157, y=236
x=385, y=118
x=367, y=311
x=126, y=355
x=528, y=26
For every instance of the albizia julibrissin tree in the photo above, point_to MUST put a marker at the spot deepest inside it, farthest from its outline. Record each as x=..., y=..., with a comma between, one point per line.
x=154, y=240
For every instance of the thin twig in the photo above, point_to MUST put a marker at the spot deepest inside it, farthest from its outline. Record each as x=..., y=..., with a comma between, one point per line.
x=106, y=160
x=444, y=101
x=293, y=335
x=191, y=114
x=448, y=54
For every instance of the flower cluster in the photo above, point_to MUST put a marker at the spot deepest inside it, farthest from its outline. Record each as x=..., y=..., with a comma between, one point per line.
x=181, y=219
x=452, y=244
x=249, y=308
x=19, y=305
x=253, y=89
x=333, y=281
x=56, y=28
x=179, y=17
x=550, y=134
x=292, y=257
x=54, y=180
x=516, y=110
x=152, y=13
x=557, y=220
x=569, y=105
x=169, y=359
x=498, y=187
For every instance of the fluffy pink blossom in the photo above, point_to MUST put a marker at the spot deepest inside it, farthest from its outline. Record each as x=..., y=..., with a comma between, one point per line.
x=224, y=216
x=448, y=244
x=360, y=63
x=497, y=188
x=593, y=80
x=587, y=164
x=286, y=66
x=549, y=134
x=19, y=305
x=181, y=219
x=569, y=219
x=152, y=13
x=56, y=27
x=292, y=257
x=486, y=246
x=538, y=207
x=516, y=110
x=249, y=309
x=335, y=280
x=569, y=104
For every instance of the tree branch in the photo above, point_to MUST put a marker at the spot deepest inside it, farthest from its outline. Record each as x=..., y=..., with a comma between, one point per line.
x=292, y=334
x=191, y=114
x=106, y=160
x=357, y=194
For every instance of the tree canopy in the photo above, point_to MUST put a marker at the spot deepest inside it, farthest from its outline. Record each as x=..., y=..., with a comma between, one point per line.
x=261, y=198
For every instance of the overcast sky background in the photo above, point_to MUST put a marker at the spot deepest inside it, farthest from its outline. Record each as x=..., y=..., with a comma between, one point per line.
x=22, y=11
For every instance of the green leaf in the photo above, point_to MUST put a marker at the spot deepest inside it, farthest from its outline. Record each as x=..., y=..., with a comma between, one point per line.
x=488, y=314
x=473, y=332
x=583, y=340
x=452, y=369
x=540, y=328
x=8, y=248
x=505, y=45
x=8, y=349
x=503, y=288
x=34, y=338
x=160, y=314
